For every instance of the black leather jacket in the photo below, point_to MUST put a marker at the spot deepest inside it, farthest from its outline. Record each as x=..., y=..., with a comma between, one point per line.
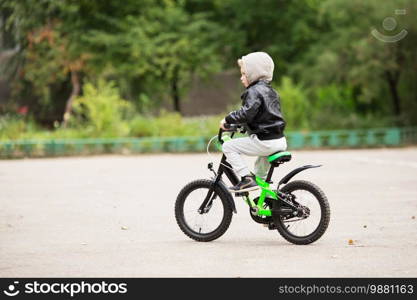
x=260, y=111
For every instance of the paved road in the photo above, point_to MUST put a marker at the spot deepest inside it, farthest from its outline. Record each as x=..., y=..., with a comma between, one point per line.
x=113, y=216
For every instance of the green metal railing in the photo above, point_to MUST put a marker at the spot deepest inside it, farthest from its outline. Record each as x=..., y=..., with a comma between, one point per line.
x=348, y=138
x=296, y=140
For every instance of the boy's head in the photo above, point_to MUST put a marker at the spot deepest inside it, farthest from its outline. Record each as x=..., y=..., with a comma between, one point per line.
x=255, y=66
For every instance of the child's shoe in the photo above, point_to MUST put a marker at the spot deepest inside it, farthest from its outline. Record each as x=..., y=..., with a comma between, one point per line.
x=247, y=184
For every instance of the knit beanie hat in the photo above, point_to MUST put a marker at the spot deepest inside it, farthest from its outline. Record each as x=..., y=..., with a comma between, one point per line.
x=258, y=65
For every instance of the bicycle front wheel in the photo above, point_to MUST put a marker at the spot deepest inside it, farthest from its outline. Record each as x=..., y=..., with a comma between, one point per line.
x=206, y=225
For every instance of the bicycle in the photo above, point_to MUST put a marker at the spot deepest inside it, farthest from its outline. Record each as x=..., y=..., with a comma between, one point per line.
x=285, y=209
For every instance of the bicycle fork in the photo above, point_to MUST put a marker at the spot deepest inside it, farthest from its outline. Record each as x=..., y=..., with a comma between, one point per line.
x=224, y=168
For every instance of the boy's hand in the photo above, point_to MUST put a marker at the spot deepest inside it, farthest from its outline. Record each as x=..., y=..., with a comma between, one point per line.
x=222, y=122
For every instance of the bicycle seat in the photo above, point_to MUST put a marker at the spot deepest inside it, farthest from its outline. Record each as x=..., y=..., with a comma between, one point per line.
x=279, y=157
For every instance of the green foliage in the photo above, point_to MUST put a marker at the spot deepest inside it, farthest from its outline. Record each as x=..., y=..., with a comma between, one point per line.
x=284, y=29
x=333, y=105
x=141, y=127
x=294, y=105
x=153, y=50
x=328, y=107
x=14, y=127
x=162, y=126
x=47, y=39
x=381, y=74
x=101, y=111
x=137, y=126
x=329, y=69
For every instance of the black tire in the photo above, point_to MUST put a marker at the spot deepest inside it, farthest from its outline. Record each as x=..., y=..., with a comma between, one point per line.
x=324, y=209
x=221, y=198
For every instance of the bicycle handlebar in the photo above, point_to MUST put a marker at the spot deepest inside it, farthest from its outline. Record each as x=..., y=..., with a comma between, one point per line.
x=229, y=128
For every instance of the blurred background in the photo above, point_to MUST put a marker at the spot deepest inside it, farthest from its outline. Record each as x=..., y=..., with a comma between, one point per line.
x=87, y=77
x=76, y=69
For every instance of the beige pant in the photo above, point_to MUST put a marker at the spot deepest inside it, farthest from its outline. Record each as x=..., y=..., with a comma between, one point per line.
x=252, y=146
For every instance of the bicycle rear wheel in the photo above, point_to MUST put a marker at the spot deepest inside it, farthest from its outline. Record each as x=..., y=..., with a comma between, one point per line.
x=202, y=226
x=313, y=213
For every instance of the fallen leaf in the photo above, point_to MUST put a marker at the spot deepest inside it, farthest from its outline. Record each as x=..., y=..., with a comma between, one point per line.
x=350, y=242
x=413, y=217
x=124, y=228
x=364, y=226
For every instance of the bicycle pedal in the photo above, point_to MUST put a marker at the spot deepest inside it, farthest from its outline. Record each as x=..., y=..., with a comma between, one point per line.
x=271, y=226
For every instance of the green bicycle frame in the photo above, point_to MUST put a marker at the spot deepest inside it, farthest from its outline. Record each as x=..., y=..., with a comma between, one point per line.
x=265, y=191
x=265, y=186
x=226, y=169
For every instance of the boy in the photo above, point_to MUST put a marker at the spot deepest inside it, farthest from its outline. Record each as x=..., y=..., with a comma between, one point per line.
x=260, y=112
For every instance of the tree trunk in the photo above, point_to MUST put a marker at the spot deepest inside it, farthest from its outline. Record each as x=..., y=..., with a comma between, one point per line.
x=74, y=93
x=392, y=79
x=175, y=93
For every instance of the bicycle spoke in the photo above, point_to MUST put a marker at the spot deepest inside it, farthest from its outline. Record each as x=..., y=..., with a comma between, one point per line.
x=206, y=222
x=303, y=226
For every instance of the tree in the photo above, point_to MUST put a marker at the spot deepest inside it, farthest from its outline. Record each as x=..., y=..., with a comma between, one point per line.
x=49, y=53
x=284, y=29
x=349, y=54
x=161, y=49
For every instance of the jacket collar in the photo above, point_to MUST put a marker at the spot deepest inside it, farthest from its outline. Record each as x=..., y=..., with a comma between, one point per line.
x=260, y=81
x=257, y=81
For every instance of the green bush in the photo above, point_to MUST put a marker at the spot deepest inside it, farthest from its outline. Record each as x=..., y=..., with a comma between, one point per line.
x=204, y=125
x=101, y=111
x=333, y=107
x=141, y=126
x=13, y=127
x=295, y=107
x=173, y=124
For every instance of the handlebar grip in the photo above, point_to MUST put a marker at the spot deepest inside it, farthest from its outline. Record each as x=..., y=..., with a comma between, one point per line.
x=219, y=136
x=231, y=127
x=227, y=125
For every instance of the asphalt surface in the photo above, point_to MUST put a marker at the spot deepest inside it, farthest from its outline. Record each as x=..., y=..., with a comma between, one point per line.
x=113, y=216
